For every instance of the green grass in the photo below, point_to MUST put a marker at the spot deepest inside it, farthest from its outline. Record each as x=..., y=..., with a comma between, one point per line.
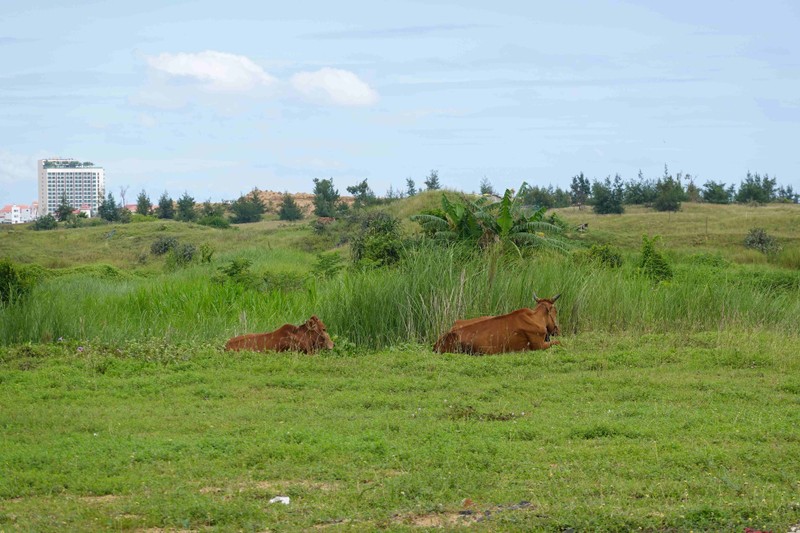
x=660, y=432
x=671, y=406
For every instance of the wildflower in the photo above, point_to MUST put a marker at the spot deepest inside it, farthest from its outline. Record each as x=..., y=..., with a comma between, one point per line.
x=80, y=348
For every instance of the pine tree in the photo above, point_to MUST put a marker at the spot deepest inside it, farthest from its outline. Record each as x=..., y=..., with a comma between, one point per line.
x=63, y=210
x=486, y=186
x=143, y=204
x=432, y=181
x=166, y=209
x=108, y=209
x=186, y=212
x=411, y=187
x=248, y=208
x=326, y=198
x=362, y=194
x=289, y=209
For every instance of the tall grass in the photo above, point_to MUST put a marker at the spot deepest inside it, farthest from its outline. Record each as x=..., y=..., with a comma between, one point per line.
x=413, y=302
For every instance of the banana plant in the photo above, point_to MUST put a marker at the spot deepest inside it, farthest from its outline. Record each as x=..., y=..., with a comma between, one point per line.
x=485, y=223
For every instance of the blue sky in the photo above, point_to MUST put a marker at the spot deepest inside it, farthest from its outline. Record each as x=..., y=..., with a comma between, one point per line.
x=216, y=98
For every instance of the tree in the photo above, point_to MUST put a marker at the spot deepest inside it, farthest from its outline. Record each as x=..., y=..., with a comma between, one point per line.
x=486, y=186
x=716, y=193
x=212, y=210
x=143, y=203
x=123, y=190
x=289, y=209
x=45, y=222
x=580, y=189
x=432, y=181
x=63, y=210
x=787, y=195
x=248, y=208
x=482, y=222
x=108, y=209
x=641, y=191
x=754, y=188
x=692, y=190
x=186, y=212
x=166, y=209
x=326, y=198
x=669, y=194
x=362, y=194
x=607, y=196
x=411, y=187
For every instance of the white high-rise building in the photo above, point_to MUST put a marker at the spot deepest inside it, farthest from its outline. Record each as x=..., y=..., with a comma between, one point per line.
x=83, y=183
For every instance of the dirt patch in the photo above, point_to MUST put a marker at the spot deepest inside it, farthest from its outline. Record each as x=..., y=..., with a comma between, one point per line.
x=106, y=498
x=464, y=518
x=279, y=485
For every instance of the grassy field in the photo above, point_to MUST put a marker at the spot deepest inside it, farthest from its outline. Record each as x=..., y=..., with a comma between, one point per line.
x=670, y=406
x=660, y=432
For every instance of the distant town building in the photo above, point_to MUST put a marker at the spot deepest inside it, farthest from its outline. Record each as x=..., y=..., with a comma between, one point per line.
x=18, y=214
x=83, y=183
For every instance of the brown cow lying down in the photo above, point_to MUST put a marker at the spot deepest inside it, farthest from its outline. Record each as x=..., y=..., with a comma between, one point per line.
x=308, y=338
x=523, y=329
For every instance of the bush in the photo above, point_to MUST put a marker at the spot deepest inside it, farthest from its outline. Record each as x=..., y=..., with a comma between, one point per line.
x=653, y=264
x=327, y=265
x=238, y=272
x=163, y=245
x=378, y=242
x=206, y=253
x=215, y=221
x=13, y=283
x=710, y=260
x=760, y=240
x=181, y=255
x=45, y=222
x=603, y=255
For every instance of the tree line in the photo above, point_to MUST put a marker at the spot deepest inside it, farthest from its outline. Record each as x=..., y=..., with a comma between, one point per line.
x=665, y=193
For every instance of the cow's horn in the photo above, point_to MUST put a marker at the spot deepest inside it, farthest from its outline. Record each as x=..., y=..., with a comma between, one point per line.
x=535, y=299
x=556, y=297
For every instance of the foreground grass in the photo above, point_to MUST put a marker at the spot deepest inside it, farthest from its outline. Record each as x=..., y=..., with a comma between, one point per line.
x=607, y=432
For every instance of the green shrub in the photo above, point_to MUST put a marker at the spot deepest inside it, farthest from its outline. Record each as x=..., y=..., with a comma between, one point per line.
x=181, y=256
x=327, y=265
x=599, y=254
x=760, y=240
x=653, y=264
x=215, y=221
x=237, y=271
x=710, y=260
x=45, y=222
x=206, y=252
x=12, y=283
x=163, y=245
x=378, y=241
x=283, y=281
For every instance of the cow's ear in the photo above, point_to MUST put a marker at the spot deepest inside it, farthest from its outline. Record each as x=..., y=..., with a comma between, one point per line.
x=556, y=297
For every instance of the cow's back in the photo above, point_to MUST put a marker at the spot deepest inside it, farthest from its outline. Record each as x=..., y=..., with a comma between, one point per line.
x=489, y=335
x=278, y=340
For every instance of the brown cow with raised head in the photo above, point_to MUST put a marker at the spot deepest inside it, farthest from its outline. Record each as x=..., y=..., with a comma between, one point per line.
x=523, y=329
x=308, y=338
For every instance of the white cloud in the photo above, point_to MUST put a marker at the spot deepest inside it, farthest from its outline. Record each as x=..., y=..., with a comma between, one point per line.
x=218, y=71
x=334, y=86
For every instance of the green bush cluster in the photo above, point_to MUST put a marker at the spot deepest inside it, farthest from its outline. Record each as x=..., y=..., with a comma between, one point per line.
x=760, y=240
x=181, y=255
x=600, y=254
x=652, y=263
x=14, y=283
x=163, y=245
x=378, y=242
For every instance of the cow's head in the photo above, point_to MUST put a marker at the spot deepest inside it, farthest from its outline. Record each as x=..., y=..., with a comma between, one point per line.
x=318, y=334
x=551, y=313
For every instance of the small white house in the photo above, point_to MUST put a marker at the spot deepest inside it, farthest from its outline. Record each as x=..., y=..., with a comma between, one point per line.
x=17, y=213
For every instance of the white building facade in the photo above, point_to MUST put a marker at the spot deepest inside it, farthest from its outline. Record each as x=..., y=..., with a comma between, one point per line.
x=18, y=214
x=83, y=183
